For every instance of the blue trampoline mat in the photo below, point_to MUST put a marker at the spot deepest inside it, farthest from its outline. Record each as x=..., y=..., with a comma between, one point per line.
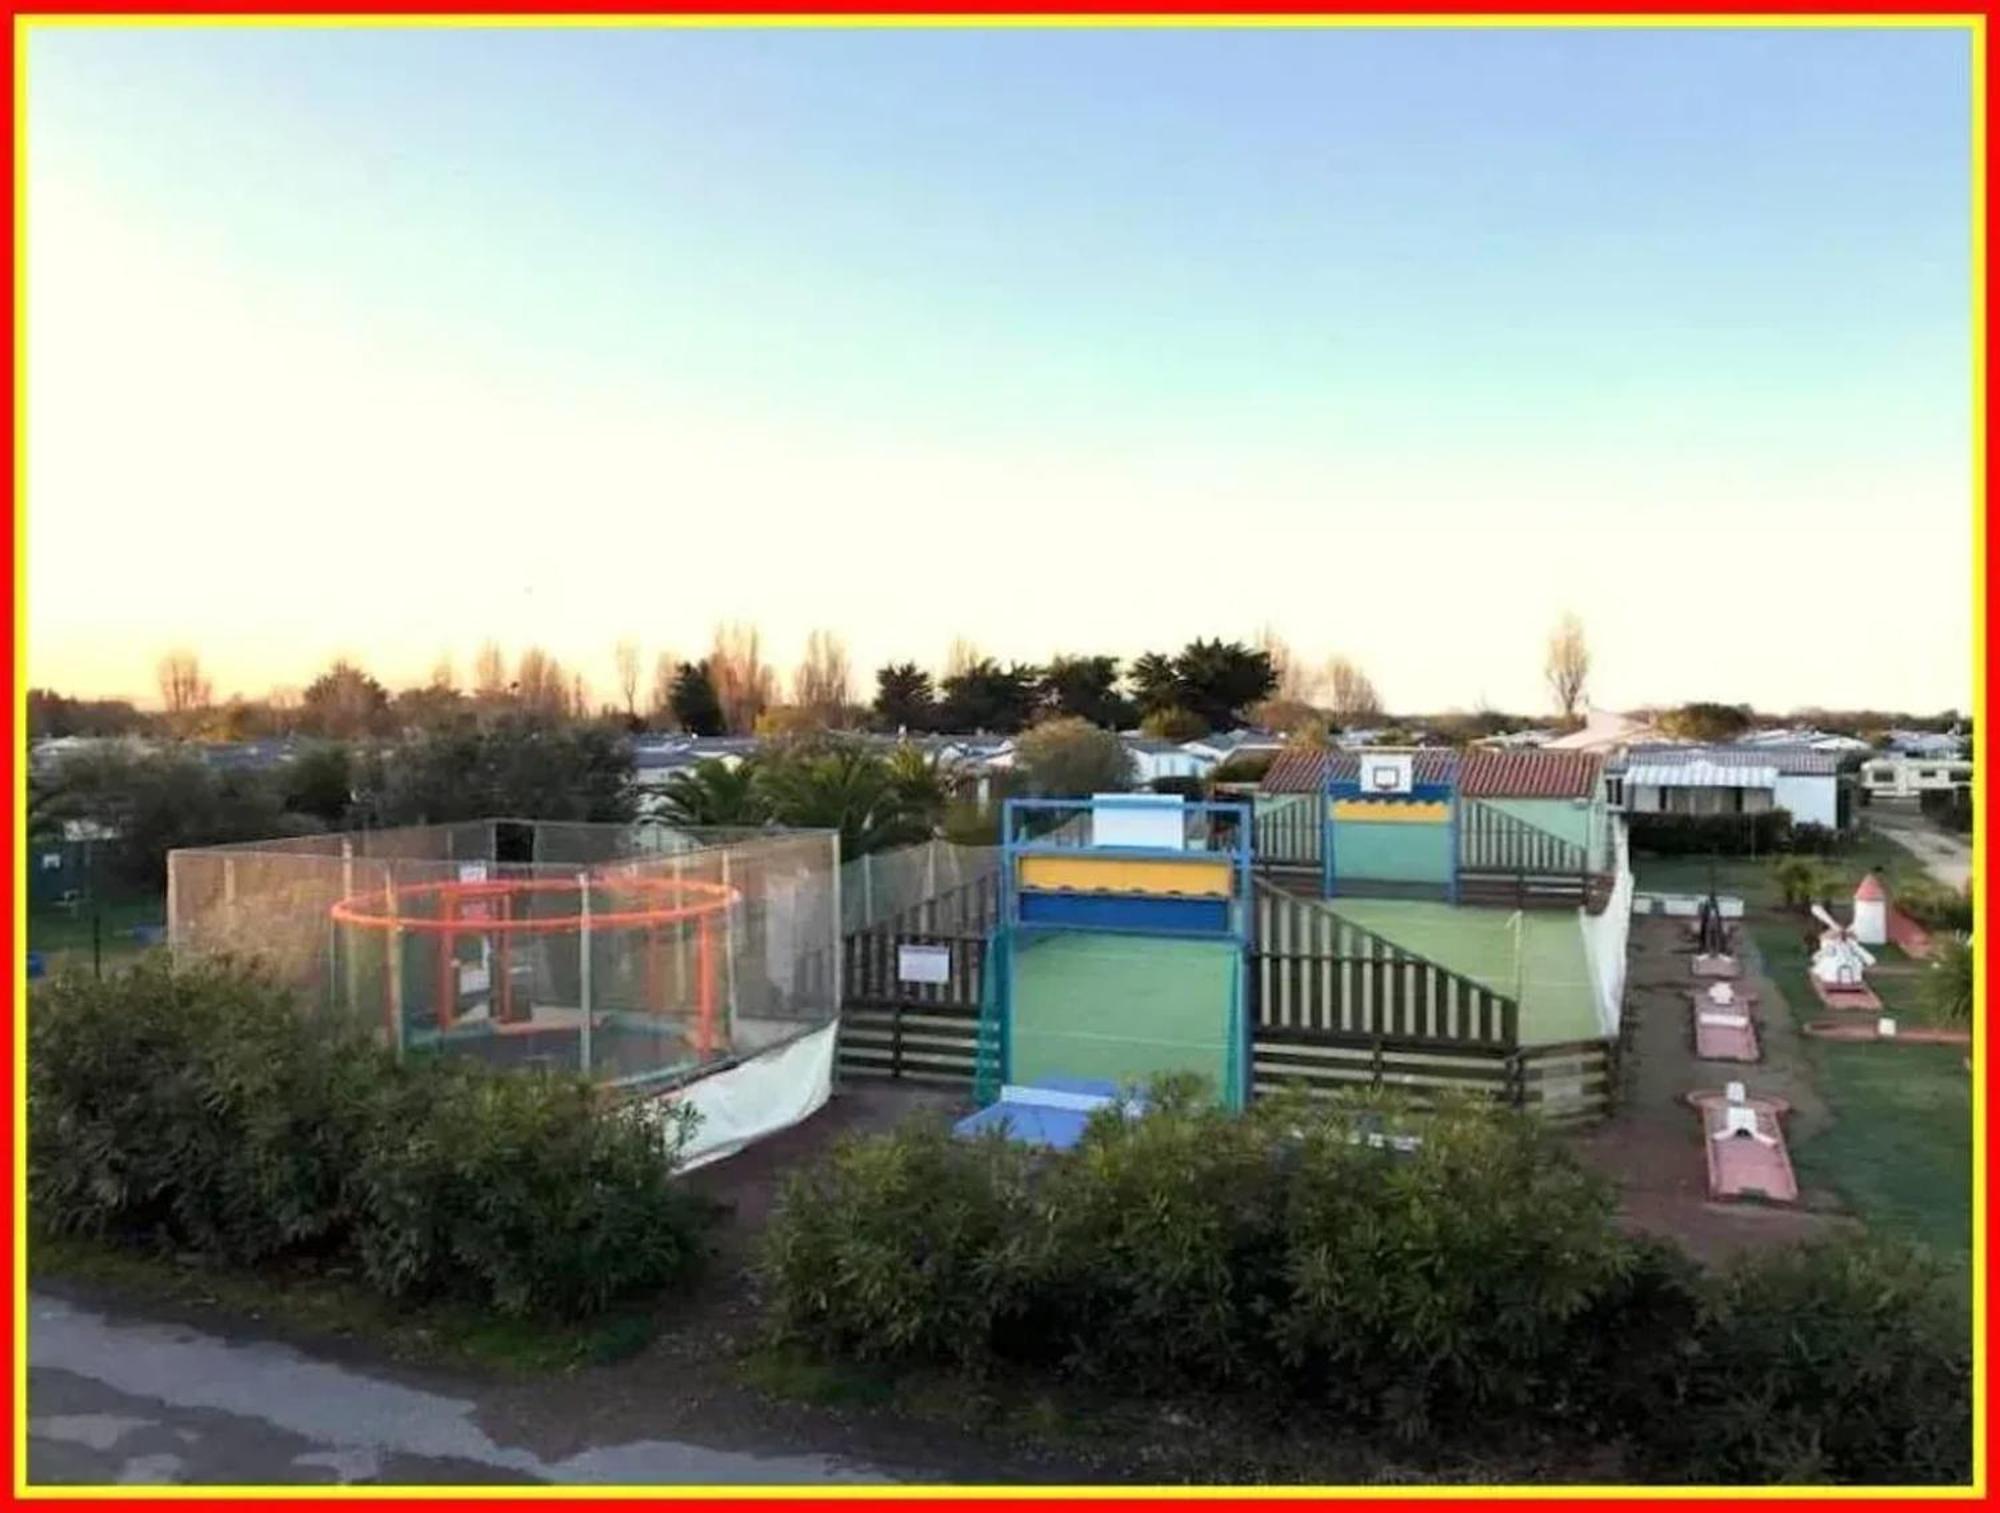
x=1051, y=1113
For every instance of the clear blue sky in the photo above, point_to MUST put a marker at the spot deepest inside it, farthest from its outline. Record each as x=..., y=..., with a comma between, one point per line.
x=1402, y=342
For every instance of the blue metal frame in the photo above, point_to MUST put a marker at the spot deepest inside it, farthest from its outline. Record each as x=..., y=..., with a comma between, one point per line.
x=1239, y=855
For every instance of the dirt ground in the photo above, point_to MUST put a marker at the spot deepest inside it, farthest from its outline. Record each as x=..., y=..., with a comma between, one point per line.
x=1652, y=1144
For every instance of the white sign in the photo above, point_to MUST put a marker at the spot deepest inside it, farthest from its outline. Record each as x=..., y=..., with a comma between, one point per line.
x=923, y=963
x=1886, y=1028
x=474, y=978
x=1393, y=772
x=472, y=872
x=52, y=861
x=1151, y=820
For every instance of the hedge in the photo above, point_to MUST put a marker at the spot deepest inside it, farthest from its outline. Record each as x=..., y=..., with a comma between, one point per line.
x=1711, y=834
x=1469, y=1293
x=195, y=1109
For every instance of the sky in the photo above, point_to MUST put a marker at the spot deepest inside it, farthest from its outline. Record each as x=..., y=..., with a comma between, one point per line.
x=383, y=343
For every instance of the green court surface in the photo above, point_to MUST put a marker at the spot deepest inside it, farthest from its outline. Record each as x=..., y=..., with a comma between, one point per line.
x=1534, y=956
x=1121, y=1008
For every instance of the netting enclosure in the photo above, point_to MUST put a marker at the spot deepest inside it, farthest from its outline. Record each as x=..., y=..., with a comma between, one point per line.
x=640, y=956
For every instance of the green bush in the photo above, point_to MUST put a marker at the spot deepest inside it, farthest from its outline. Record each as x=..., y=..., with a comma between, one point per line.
x=1935, y=906
x=1842, y=1363
x=1950, y=808
x=896, y=1247
x=1801, y=880
x=1158, y=1250
x=1710, y=834
x=1946, y=986
x=1279, y=1254
x=1809, y=839
x=192, y=1109
x=195, y=1109
x=1458, y=1283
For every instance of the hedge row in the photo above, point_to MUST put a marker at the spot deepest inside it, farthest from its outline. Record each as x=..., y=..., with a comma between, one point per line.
x=194, y=1109
x=1711, y=834
x=1472, y=1292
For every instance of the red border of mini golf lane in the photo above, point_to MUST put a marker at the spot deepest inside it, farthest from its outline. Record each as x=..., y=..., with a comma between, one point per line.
x=1468, y=1499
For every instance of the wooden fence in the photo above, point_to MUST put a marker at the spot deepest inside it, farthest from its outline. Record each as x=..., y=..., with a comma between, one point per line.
x=1312, y=972
x=1331, y=1005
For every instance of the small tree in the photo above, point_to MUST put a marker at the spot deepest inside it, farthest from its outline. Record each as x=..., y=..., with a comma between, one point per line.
x=1703, y=721
x=185, y=690
x=1070, y=758
x=744, y=683
x=627, y=656
x=695, y=706
x=1947, y=981
x=1086, y=688
x=904, y=699
x=344, y=703
x=1156, y=684
x=714, y=793
x=1173, y=723
x=1567, y=666
x=1351, y=694
x=823, y=683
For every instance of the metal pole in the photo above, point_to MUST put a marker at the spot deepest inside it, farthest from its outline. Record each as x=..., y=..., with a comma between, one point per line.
x=839, y=965
x=396, y=968
x=729, y=944
x=583, y=969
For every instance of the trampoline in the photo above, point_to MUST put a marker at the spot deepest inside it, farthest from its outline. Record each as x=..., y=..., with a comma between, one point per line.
x=613, y=974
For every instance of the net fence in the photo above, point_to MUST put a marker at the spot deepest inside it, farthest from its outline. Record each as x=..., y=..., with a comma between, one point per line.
x=633, y=954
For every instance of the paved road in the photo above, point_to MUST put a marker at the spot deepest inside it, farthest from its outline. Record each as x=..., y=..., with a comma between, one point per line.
x=1947, y=857
x=128, y=1401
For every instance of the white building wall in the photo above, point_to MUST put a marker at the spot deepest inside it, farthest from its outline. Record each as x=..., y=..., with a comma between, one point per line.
x=1811, y=800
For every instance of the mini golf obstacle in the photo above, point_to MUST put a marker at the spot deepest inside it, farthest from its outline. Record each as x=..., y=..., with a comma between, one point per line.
x=1715, y=955
x=1723, y=1029
x=1051, y=1114
x=1119, y=957
x=656, y=962
x=1746, y=1153
x=1838, y=972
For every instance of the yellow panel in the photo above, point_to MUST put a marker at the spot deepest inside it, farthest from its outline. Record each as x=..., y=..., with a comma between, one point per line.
x=1389, y=812
x=1198, y=876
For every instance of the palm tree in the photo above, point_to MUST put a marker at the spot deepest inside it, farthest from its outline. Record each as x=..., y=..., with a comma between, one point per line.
x=846, y=788
x=713, y=793
x=1947, y=982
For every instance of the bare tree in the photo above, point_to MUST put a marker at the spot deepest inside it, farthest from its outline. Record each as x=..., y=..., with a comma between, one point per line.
x=1350, y=693
x=184, y=690
x=823, y=685
x=444, y=678
x=745, y=685
x=541, y=685
x=626, y=653
x=579, y=697
x=961, y=658
x=1295, y=680
x=1567, y=666
x=660, y=710
x=489, y=674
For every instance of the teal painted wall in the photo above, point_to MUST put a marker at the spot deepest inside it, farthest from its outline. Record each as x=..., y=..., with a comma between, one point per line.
x=1564, y=817
x=1393, y=853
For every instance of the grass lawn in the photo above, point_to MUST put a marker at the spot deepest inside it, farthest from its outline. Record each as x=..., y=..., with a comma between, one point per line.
x=64, y=938
x=1751, y=878
x=318, y=1305
x=1899, y=1149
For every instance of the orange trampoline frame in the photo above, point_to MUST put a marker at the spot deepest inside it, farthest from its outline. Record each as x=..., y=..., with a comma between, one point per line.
x=661, y=901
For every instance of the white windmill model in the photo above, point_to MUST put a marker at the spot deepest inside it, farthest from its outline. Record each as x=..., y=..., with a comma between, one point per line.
x=1841, y=959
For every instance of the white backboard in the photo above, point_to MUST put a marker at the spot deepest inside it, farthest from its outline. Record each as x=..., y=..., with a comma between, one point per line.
x=1387, y=772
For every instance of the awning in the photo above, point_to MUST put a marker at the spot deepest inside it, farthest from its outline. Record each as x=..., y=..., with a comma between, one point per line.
x=1699, y=775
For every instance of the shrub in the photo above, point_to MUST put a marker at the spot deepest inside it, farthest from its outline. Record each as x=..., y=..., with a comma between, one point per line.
x=1801, y=881
x=1847, y=1362
x=519, y=1193
x=896, y=1247
x=1810, y=839
x=1950, y=808
x=194, y=1108
x=1457, y=1283
x=1277, y=1254
x=1935, y=906
x=1190, y=788
x=1158, y=1248
x=1946, y=985
x=1710, y=834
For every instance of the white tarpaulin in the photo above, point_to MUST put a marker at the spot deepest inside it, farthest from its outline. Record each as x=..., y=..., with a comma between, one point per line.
x=1604, y=942
x=767, y=1093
